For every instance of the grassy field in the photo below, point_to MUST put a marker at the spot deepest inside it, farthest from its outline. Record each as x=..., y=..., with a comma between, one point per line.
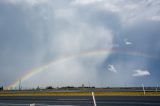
x=31, y=93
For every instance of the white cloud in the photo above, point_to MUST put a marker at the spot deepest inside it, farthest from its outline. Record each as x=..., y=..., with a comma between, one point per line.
x=133, y=11
x=155, y=18
x=112, y=68
x=141, y=73
x=85, y=2
x=127, y=42
x=111, y=7
x=31, y=2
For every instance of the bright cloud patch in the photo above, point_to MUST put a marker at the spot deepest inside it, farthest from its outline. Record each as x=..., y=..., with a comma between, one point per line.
x=141, y=73
x=112, y=68
x=127, y=42
x=155, y=18
x=85, y=2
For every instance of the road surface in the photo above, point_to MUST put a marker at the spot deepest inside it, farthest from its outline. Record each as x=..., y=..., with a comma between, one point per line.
x=81, y=101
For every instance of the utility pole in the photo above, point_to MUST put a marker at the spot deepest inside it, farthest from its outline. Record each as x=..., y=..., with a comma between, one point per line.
x=143, y=89
x=157, y=88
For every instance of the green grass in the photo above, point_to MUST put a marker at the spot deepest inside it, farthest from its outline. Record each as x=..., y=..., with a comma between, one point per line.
x=31, y=93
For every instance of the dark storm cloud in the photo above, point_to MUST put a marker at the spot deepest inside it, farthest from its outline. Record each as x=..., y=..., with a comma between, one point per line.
x=144, y=36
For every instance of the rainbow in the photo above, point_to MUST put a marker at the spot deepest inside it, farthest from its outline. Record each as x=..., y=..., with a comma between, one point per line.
x=66, y=58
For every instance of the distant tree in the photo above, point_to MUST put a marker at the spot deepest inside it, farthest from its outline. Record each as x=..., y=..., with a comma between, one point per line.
x=38, y=88
x=49, y=87
x=1, y=88
x=83, y=86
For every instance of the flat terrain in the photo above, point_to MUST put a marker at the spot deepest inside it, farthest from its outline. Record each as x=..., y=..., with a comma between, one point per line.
x=70, y=93
x=80, y=100
x=70, y=98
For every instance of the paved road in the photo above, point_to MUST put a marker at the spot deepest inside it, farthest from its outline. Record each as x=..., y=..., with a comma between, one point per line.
x=82, y=101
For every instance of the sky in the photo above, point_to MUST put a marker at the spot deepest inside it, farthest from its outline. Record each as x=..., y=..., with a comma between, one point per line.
x=102, y=43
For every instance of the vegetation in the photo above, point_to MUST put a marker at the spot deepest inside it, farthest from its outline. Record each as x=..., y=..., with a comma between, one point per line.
x=1, y=88
x=45, y=93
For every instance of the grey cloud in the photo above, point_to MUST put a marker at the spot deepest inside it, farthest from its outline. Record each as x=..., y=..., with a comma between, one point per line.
x=19, y=40
x=33, y=34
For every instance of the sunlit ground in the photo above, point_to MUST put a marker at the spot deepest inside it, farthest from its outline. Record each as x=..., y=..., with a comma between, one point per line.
x=31, y=93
